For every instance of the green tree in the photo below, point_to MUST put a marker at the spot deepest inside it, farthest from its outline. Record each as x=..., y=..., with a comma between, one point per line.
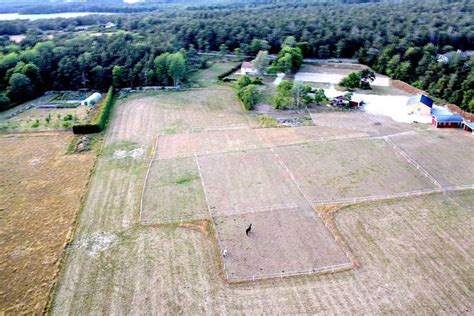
x=177, y=68
x=352, y=81
x=298, y=92
x=4, y=102
x=283, y=97
x=249, y=96
x=367, y=76
x=117, y=76
x=20, y=88
x=260, y=63
x=161, y=68
x=243, y=82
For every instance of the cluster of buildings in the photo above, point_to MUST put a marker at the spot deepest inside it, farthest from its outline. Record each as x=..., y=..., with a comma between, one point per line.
x=440, y=116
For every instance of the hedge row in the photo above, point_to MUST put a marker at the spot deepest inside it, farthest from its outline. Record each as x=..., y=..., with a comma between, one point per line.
x=100, y=123
x=229, y=72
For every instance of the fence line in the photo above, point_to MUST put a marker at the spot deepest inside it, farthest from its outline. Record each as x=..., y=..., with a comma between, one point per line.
x=270, y=146
x=412, y=161
x=393, y=196
x=211, y=215
x=327, y=269
x=145, y=181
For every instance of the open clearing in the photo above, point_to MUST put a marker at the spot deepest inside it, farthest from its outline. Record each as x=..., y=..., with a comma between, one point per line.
x=155, y=246
x=40, y=193
x=334, y=73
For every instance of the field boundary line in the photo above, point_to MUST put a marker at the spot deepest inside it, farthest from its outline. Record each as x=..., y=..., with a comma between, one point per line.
x=394, y=196
x=328, y=269
x=226, y=276
x=270, y=146
x=412, y=161
x=311, y=205
x=256, y=210
x=145, y=181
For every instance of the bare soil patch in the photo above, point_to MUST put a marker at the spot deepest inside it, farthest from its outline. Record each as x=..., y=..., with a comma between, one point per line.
x=246, y=181
x=284, y=242
x=40, y=194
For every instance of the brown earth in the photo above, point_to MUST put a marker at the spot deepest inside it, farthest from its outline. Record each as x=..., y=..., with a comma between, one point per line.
x=41, y=188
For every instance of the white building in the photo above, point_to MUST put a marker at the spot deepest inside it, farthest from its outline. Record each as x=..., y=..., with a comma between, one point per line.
x=247, y=69
x=92, y=99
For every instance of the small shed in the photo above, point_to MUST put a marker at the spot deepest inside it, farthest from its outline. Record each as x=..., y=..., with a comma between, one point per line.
x=468, y=127
x=92, y=99
x=247, y=69
x=442, y=121
x=420, y=105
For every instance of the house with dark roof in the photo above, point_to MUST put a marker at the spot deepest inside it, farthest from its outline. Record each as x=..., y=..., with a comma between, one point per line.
x=420, y=105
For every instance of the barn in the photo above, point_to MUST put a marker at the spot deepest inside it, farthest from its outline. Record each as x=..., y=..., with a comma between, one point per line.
x=468, y=127
x=92, y=99
x=442, y=121
x=420, y=105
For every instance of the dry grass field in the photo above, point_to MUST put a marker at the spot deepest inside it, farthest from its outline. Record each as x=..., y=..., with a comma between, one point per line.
x=173, y=192
x=40, y=193
x=351, y=168
x=149, y=246
x=414, y=255
x=447, y=156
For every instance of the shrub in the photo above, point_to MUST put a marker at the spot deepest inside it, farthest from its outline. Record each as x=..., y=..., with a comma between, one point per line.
x=249, y=96
x=100, y=123
x=229, y=72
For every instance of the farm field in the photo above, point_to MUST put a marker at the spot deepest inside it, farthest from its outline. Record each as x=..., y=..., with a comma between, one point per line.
x=349, y=169
x=414, y=258
x=183, y=174
x=447, y=157
x=41, y=188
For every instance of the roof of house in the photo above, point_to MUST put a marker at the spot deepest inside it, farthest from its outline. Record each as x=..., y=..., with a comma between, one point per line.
x=438, y=110
x=420, y=98
x=470, y=124
x=247, y=64
x=449, y=118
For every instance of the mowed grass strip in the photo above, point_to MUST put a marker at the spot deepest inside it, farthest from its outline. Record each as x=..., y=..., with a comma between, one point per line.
x=173, y=192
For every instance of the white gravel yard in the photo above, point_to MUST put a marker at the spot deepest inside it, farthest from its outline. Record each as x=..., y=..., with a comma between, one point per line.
x=393, y=106
x=335, y=78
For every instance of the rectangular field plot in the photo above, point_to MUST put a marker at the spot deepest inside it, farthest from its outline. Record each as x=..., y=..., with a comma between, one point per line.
x=349, y=169
x=289, y=136
x=285, y=242
x=173, y=192
x=246, y=181
x=182, y=145
x=447, y=155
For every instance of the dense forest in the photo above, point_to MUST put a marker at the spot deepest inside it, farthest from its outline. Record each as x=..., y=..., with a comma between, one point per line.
x=401, y=39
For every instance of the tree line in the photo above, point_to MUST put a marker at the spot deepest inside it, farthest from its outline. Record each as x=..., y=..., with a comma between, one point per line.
x=398, y=39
